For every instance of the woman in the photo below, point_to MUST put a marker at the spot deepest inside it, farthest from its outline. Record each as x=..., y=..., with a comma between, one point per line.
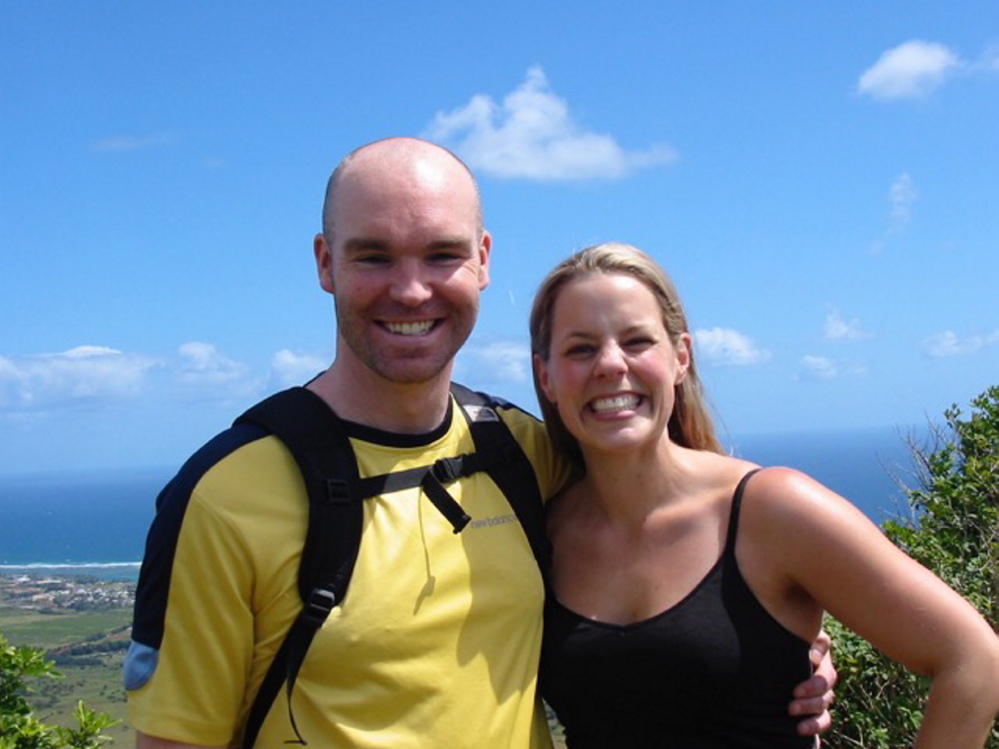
x=687, y=584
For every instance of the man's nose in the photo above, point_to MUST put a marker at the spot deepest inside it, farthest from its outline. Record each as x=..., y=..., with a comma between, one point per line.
x=410, y=285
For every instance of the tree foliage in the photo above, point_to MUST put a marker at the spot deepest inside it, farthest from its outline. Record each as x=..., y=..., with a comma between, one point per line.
x=952, y=529
x=19, y=727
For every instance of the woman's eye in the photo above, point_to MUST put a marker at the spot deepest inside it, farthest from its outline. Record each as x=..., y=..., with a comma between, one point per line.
x=638, y=343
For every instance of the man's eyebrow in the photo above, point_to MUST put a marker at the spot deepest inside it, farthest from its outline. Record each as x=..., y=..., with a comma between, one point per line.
x=362, y=244
x=449, y=243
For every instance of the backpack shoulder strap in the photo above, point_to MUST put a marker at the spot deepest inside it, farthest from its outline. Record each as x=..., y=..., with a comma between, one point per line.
x=317, y=439
x=507, y=465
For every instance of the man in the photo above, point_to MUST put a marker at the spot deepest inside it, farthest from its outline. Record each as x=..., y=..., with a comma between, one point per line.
x=437, y=643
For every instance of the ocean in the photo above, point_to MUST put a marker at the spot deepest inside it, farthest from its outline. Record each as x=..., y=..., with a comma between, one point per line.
x=95, y=523
x=77, y=523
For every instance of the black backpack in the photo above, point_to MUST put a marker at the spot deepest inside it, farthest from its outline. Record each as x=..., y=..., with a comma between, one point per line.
x=318, y=440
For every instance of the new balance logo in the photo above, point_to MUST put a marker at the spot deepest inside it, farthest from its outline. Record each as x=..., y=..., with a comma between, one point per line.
x=498, y=520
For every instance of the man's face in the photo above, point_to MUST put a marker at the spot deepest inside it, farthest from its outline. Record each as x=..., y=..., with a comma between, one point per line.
x=407, y=263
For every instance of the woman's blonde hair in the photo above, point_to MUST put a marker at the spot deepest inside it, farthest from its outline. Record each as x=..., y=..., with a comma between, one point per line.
x=690, y=424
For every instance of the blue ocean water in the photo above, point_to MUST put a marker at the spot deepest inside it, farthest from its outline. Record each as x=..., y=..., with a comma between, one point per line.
x=93, y=523
x=863, y=465
x=96, y=523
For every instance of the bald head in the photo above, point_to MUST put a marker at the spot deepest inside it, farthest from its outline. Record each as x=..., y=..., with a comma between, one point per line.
x=404, y=255
x=418, y=164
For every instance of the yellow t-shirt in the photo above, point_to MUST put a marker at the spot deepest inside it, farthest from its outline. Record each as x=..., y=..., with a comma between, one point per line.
x=436, y=644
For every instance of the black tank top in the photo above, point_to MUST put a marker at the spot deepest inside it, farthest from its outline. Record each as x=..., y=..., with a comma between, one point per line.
x=714, y=671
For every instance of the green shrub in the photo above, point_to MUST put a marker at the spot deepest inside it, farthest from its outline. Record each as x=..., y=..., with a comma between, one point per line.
x=953, y=529
x=19, y=727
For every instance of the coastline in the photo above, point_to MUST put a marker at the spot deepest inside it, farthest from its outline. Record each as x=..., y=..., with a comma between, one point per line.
x=124, y=572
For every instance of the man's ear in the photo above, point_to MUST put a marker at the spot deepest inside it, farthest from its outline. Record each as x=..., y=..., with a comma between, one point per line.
x=485, y=247
x=324, y=262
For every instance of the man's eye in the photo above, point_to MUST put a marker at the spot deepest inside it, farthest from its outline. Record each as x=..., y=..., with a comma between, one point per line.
x=371, y=259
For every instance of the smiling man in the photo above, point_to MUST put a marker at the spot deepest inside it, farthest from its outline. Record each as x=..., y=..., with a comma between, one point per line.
x=437, y=643
x=405, y=255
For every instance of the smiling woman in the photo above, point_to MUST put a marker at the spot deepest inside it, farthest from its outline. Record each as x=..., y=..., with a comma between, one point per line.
x=686, y=584
x=613, y=367
x=689, y=423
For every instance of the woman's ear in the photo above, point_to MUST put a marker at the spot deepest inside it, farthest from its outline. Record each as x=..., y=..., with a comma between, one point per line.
x=541, y=373
x=683, y=349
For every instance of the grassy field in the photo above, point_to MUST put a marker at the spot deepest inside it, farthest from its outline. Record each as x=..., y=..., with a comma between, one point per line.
x=94, y=678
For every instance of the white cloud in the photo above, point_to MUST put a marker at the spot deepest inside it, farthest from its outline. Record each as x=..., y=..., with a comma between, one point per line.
x=949, y=343
x=80, y=376
x=838, y=329
x=902, y=195
x=135, y=142
x=202, y=364
x=910, y=70
x=290, y=368
x=819, y=368
x=203, y=374
x=727, y=347
x=532, y=135
x=97, y=376
x=499, y=361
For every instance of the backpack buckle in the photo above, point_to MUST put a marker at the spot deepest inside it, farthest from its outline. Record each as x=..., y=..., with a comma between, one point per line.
x=447, y=469
x=320, y=604
x=337, y=491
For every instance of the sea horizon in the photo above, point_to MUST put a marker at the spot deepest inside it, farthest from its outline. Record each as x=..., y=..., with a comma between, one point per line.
x=94, y=522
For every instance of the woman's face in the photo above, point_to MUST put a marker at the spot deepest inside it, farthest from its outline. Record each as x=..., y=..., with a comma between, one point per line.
x=612, y=365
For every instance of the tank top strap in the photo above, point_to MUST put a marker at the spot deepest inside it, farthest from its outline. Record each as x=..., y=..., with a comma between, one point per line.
x=733, y=518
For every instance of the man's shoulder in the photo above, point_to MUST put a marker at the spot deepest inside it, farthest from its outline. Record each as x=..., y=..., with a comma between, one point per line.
x=240, y=457
x=219, y=448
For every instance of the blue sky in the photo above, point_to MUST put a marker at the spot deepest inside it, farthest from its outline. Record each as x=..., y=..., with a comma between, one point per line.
x=819, y=178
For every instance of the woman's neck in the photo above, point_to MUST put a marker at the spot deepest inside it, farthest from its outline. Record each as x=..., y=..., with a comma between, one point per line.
x=627, y=487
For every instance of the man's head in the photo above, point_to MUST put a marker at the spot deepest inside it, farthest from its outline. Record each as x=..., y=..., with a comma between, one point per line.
x=405, y=255
x=390, y=148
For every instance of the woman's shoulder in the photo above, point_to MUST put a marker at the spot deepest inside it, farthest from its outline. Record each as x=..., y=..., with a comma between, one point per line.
x=784, y=502
x=779, y=486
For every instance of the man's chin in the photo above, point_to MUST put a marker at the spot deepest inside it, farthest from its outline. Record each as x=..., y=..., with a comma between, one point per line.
x=414, y=374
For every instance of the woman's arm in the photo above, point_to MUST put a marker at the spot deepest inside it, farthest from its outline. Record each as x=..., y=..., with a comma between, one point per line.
x=821, y=550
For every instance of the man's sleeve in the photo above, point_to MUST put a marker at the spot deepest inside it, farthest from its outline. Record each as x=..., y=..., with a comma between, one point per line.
x=552, y=469
x=192, y=640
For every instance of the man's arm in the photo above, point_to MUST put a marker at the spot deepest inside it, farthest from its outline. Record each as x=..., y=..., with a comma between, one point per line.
x=812, y=698
x=143, y=741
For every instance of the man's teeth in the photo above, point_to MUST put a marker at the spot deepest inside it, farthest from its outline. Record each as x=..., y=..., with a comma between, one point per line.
x=410, y=328
x=615, y=403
